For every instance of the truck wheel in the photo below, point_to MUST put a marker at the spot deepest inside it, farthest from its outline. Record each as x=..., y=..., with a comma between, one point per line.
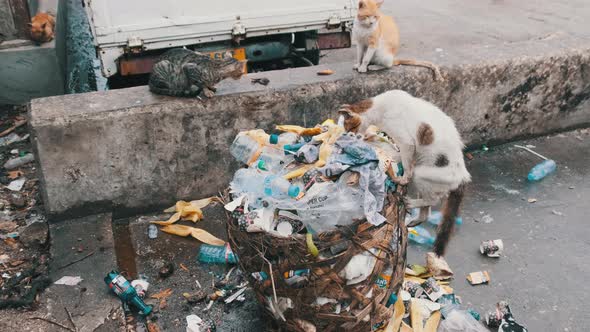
x=306, y=41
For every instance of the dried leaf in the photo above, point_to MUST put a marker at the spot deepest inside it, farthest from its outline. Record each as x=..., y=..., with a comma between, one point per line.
x=8, y=226
x=153, y=327
x=16, y=263
x=11, y=242
x=162, y=294
x=184, y=267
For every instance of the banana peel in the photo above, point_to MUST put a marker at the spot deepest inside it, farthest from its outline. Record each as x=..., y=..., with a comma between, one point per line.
x=301, y=131
x=197, y=233
x=187, y=210
x=398, y=315
x=432, y=322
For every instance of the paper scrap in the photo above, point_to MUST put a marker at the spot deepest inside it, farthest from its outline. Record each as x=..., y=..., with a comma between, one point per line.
x=479, y=277
x=17, y=185
x=69, y=281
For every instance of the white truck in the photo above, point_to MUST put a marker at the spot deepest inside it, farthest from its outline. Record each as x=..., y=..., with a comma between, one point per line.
x=272, y=34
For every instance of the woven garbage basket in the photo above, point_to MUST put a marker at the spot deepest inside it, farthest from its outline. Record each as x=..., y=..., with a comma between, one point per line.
x=266, y=259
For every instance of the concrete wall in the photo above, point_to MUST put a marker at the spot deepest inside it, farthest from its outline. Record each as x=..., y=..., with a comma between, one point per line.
x=130, y=149
x=28, y=72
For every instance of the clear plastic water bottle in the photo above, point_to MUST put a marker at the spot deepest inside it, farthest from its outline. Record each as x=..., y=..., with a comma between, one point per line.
x=250, y=180
x=217, y=254
x=244, y=148
x=436, y=217
x=273, y=160
x=541, y=170
x=152, y=231
x=420, y=235
x=278, y=187
x=247, y=144
x=283, y=139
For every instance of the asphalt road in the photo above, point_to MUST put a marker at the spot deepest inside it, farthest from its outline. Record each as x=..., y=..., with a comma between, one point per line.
x=455, y=31
x=542, y=272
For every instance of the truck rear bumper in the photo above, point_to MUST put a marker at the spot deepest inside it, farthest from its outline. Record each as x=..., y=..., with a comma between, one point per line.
x=255, y=52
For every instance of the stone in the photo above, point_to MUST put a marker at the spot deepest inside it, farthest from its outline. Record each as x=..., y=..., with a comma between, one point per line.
x=17, y=201
x=35, y=233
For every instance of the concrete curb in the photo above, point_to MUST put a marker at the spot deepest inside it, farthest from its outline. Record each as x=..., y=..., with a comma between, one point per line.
x=129, y=149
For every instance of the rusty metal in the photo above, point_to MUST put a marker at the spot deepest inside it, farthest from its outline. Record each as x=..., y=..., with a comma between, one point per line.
x=332, y=40
x=136, y=65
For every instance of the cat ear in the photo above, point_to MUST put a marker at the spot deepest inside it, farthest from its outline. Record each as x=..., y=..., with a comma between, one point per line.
x=361, y=4
x=379, y=3
x=43, y=26
x=345, y=110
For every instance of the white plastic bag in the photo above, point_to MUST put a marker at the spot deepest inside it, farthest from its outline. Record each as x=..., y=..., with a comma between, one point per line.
x=460, y=321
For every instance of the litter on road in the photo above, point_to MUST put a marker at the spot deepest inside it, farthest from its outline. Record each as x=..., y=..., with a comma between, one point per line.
x=69, y=280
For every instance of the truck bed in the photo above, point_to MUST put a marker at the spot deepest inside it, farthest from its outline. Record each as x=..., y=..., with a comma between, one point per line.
x=156, y=24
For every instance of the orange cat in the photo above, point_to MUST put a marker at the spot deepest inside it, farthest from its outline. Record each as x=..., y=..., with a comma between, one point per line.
x=42, y=26
x=377, y=40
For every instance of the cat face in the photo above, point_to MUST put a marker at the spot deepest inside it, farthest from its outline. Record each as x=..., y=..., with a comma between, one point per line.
x=38, y=30
x=368, y=13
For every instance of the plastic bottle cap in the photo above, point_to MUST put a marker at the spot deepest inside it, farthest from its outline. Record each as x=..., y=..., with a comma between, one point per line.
x=293, y=191
x=261, y=165
x=273, y=139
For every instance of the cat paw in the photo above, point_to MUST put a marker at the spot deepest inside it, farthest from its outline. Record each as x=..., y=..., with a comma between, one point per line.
x=404, y=180
x=356, y=66
x=362, y=69
x=209, y=93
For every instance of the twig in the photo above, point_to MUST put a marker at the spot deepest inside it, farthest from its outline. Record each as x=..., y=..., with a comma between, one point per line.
x=53, y=322
x=76, y=261
x=11, y=129
x=70, y=319
x=531, y=151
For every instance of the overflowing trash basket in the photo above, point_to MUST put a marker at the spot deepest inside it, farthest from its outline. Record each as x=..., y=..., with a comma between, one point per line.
x=318, y=225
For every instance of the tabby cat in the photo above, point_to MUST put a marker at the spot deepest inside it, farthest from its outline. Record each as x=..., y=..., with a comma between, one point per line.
x=182, y=72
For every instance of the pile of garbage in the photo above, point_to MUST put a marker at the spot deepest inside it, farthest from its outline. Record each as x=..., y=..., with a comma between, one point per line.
x=311, y=209
x=310, y=180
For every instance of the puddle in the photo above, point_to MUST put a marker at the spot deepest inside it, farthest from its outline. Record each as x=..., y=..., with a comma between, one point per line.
x=124, y=249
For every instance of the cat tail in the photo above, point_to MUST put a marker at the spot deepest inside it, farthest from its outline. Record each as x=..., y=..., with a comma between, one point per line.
x=170, y=92
x=426, y=64
x=450, y=212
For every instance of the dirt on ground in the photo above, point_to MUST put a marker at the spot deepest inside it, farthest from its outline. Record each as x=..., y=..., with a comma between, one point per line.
x=23, y=227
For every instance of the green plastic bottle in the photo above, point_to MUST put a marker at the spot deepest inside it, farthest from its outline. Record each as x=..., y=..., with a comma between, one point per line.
x=123, y=289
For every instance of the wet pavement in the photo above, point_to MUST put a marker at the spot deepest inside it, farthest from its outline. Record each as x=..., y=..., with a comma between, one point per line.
x=542, y=272
x=454, y=31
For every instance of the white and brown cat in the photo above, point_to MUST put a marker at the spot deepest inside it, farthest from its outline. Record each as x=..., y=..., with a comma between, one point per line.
x=377, y=40
x=431, y=151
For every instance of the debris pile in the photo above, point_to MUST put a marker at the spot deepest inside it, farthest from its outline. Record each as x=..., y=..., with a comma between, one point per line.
x=23, y=228
x=314, y=219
